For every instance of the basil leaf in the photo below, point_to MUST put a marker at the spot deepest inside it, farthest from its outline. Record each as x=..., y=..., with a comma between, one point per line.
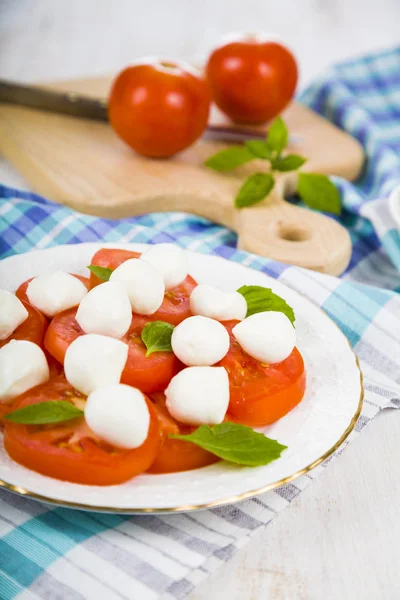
x=277, y=136
x=255, y=188
x=290, y=162
x=236, y=443
x=318, y=192
x=44, y=413
x=261, y=299
x=101, y=272
x=259, y=149
x=156, y=336
x=229, y=159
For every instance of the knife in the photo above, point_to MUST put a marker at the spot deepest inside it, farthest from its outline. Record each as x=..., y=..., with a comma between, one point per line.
x=86, y=107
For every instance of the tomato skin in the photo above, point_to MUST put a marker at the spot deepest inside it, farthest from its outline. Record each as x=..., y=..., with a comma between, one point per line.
x=70, y=451
x=159, y=108
x=176, y=455
x=149, y=374
x=109, y=258
x=21, y=291
x=32, y=329
x=261, y=394
x=176, y=305
x=252, y=80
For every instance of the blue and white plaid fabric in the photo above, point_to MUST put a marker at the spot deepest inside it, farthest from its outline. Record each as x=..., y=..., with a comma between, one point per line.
x=61, y=553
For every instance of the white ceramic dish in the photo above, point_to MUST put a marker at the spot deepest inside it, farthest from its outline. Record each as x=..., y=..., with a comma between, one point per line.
x=394, y=205
x=312, y=431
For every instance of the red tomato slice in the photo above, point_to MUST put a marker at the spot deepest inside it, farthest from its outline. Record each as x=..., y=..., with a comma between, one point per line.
x=21, y=291
x=176, y=305
x=261, y=394
x=148, y=373
x=70, y=451
x=32, y=329
x=176, y=455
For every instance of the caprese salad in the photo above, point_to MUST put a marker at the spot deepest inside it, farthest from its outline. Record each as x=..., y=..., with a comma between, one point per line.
x=139, y=368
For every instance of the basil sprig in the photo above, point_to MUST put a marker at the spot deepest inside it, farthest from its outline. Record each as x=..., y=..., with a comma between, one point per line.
x=156, y=336
x=103, y=273
x=316, y=191
x=44, y=413
x=261, y=299
x=235, y=443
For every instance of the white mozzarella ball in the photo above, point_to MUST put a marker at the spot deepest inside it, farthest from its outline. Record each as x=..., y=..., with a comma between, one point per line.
x=93, y=361
x=199, y=395
x=267, y=336
x=106, y=309
x=211, y=302
x=23, y=365
x=54, y=292
x=12, y=313
x=169, y=260
x=119, y=414
x=200, y=341
x=144, y=285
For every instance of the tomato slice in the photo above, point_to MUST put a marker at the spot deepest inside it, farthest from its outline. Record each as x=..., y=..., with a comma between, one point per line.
x=176, y=455
x=21, y=291
x=148, y=373
x=32, y=329
x=176, y=305
x=261, y=394
x=70, y=451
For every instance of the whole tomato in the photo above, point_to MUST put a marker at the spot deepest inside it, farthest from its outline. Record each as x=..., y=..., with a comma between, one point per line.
x=252, y=79
x=159, y=107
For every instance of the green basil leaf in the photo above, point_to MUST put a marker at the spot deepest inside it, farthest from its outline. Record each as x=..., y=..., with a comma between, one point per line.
x=277, y=136
x=290, y=162
x=261, y=299
x=259, y=149
x=229, y=159
x=44, y=413
x=101, y=272
x=236, y=443
x=318, y=192
x=255, y=188
x=156, y=336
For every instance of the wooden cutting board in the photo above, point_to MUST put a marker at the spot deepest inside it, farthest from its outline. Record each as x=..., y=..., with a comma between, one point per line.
x=84, y=165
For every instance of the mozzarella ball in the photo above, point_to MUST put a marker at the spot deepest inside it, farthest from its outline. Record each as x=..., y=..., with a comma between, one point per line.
x=93, y=361
x=199, y=395
x=54, y=292
x=169, y=260
x=143, y=284
x=211, y=302
x=119, y=415
x=267, y=336
x=200, y=341
x=106, y=309
x=12, y=313
x=23, y=365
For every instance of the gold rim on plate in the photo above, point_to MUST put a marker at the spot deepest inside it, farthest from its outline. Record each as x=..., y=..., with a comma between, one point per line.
x=192, y=507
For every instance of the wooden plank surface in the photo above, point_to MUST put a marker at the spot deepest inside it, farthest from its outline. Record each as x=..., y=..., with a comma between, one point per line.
x=341, y=537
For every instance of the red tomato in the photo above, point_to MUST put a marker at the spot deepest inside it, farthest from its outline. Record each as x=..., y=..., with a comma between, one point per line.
x=109, y=258
x=176, y=305
x=252, y=80
x=148, y=373
x=21, y=291
x=176, y=455
x=71, y=451
x=32, y=329
x=159, y=107
x=261, y=394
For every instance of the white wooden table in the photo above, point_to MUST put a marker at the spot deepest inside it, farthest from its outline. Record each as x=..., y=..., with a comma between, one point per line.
x=341, y=537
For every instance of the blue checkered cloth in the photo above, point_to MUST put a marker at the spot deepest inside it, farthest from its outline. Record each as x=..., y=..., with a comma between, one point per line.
x=61, y=553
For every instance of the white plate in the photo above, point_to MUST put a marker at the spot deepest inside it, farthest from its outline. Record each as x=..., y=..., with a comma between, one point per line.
x=312, y=431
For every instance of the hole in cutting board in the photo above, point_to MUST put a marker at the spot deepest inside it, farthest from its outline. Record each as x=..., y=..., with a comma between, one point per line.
x=291, y=232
